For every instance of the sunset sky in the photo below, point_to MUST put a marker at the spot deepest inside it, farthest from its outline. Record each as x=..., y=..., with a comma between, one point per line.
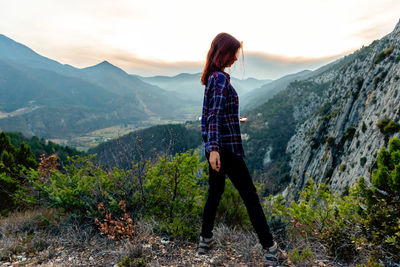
x=167, y=37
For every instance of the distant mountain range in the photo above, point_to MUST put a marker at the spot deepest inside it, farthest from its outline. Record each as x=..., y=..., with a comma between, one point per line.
x=43, y=97
x=189, y=86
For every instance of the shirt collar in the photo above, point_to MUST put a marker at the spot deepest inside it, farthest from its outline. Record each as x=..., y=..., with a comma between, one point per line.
x=227, y=75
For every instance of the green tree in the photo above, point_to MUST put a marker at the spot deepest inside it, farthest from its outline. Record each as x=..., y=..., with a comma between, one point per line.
x=381, y=212
x=25, y=157
x=175, y=193
x=5, y=144
x=14, y=164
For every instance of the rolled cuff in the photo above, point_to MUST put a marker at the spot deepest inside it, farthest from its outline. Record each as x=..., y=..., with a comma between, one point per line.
x=210, y=148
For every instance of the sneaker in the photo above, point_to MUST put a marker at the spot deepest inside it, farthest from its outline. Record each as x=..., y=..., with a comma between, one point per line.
x=274, y=254
x=205, y=244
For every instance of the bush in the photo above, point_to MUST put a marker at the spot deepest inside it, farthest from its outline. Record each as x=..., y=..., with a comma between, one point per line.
x=175, y=194
x=342, y=167
x=301, y=257
x=380, y=202
x=84, y=185
x=349, y=134
x=170, y=191
x=364, y=127
x=391, y=127
x=14, y=164
x=330, y=141
x=319, y=214
x=387, y=126
x=383, y=54
x=363, y=160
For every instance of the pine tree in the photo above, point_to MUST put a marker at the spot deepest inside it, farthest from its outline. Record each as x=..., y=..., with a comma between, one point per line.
x=5, y=144
x=381, y=202
x=25, y=157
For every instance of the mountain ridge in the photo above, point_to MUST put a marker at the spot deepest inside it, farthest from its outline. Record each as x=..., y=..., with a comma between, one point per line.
x=103, y=90
x=339, y=142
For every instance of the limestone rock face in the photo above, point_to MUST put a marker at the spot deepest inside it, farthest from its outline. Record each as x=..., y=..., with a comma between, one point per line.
x=337, y=139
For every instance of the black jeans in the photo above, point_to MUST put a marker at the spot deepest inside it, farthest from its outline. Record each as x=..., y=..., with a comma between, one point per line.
x=236, y=169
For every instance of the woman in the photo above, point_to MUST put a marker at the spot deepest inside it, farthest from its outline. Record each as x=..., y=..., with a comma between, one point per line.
x=220, y=127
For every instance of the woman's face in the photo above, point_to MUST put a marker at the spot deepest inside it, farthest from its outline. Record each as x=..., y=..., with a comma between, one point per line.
x=233, y=60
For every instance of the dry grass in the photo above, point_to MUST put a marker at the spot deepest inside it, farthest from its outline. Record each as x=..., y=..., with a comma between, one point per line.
x=43, y=237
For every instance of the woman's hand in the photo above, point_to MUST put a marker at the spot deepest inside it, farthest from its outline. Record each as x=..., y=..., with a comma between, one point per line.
x=215, y=161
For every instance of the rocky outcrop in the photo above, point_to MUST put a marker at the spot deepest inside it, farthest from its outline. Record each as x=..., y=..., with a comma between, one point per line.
x=338, y=138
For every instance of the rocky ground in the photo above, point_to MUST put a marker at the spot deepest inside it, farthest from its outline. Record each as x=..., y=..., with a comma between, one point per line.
x=37, y=239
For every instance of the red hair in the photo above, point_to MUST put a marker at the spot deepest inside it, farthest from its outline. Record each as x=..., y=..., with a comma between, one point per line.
x=222, y=52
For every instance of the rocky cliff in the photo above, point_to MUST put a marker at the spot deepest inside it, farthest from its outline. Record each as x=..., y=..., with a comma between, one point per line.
x=341, y=131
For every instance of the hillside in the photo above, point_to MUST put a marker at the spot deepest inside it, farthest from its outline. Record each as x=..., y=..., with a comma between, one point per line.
x=359, y=111
x=262, y=94
x=45, y=98
x=147, y=143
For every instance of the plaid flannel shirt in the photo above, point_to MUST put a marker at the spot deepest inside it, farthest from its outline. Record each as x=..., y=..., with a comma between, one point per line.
x=220, y=125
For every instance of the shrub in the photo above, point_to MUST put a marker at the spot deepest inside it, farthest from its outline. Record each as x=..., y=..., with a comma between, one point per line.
x=387, y=126
x=319, y=214
x=175, y=194
x=301, y=257
x=84, y=185
x=364, y=127
x=382, y=123
x=363, y=160
x=362, y=222
x=330, y=141
x=349, y=134
x=342, y=167
x=115, y=228
x=383, y=54
x=391, y=127
x=14, y=164
x=170, y=191
x=380, y=202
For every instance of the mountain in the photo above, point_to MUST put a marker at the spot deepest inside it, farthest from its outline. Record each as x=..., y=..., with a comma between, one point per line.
x=355, y=116
x=190, y=87
x=45, y=98
x=14, y=52
x=262, y=94
x=152, y=99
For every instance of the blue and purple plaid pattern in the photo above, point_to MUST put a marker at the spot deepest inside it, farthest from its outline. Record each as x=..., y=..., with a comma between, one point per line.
x=220, y=126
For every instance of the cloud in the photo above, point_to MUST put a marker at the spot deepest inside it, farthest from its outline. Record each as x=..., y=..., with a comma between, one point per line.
x=128, y=34
x=256, y=64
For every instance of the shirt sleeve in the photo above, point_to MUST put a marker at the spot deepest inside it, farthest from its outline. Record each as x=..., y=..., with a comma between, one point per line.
x=217, y=100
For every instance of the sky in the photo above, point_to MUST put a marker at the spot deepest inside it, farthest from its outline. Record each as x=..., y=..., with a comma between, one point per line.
x=168, y=37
